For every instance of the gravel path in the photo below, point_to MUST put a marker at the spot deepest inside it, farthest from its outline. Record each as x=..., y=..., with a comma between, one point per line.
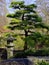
x=32, y=58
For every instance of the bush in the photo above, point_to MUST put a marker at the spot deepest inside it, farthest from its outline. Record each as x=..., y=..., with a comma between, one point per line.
x=20, y=54
x=42, y=63
x=29, y=52
x=41, y=52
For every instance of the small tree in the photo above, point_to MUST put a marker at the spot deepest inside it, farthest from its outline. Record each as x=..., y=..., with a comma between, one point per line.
x=25, y=18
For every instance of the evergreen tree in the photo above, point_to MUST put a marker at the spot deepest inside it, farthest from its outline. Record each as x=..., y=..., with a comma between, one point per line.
x=25, y=18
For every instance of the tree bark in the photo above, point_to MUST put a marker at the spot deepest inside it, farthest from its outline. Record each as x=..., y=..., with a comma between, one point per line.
x=25, y=45
x=26, y=34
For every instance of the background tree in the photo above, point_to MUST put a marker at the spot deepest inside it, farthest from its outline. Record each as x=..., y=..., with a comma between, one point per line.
x=26, y=19
x=43, y=9
x=3, y=18
x=3, y=12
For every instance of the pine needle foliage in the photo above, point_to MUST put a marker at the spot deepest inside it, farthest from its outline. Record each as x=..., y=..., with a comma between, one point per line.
x=25, y=18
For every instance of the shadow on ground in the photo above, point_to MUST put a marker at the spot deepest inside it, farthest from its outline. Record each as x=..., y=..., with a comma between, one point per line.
x=18, y=61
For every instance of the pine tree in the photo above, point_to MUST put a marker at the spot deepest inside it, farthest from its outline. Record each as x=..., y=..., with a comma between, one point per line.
x=26, y=19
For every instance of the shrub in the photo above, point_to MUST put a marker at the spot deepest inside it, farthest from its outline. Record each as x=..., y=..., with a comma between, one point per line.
x=41, y=52
x=20, y=54
x=42, y=63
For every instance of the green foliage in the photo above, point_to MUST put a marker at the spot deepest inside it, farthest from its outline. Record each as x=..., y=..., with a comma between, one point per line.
x=39, y=25
x=42, y=63
x=33, y=52
x=15, y=21
x=15, y=3
x=11, y=15
x=22, y=5
x=41, y=52
x=26, y=19
x=19, y=43
x=38, y=19
x=26, y=9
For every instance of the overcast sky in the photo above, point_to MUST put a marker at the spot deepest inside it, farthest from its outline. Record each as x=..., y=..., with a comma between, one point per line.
x=29, y=1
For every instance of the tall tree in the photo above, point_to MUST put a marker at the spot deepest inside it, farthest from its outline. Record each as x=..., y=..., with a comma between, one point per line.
x=25, y=19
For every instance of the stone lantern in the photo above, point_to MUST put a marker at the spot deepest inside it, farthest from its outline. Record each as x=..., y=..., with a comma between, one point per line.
x=10, y=46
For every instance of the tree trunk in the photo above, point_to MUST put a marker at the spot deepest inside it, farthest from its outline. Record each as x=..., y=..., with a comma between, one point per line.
x=25, y=45
x=26, y=34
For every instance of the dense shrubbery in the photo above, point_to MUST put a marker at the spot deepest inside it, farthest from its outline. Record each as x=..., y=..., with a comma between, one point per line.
x=40, y=52
x=42, y=63
x=20, y=55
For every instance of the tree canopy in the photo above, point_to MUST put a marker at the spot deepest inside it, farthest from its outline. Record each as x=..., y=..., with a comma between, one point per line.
x=25, y=18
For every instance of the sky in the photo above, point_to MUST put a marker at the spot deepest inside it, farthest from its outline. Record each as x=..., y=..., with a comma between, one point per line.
x=29, y=1
x=26, y=2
